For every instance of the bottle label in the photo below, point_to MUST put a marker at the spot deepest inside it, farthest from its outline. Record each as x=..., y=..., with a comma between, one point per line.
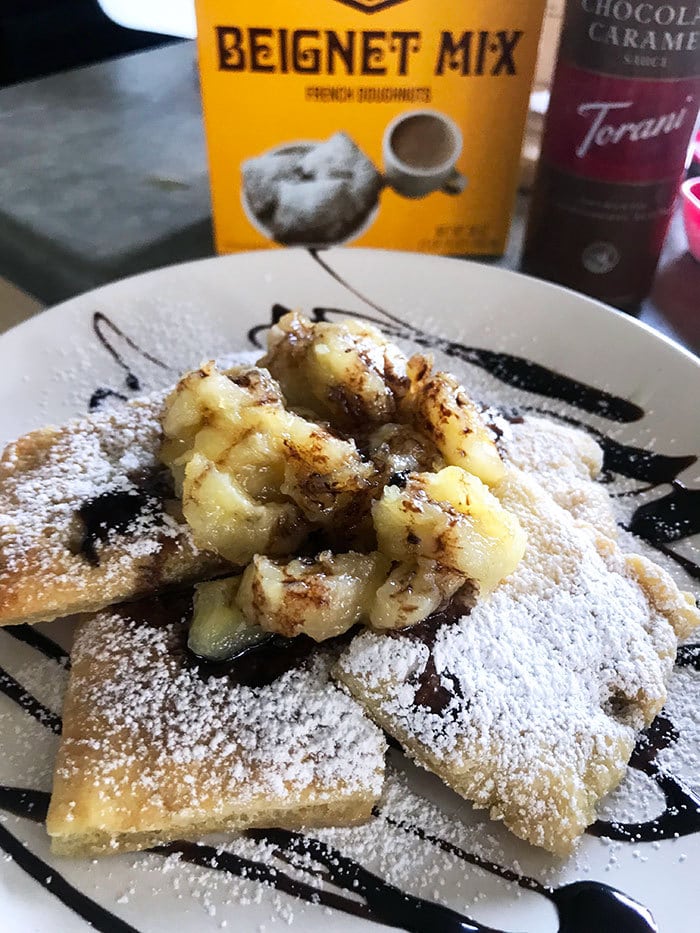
x=634, y=38
x=623, y=105
x=601, y=126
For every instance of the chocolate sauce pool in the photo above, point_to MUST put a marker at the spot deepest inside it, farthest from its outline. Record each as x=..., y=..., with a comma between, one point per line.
x=116, y=511
x=431, y=690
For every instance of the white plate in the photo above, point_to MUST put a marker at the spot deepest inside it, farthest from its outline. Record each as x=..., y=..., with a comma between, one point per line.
x=49, y=368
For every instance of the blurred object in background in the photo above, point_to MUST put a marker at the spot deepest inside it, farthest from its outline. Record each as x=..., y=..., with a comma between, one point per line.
x=532, y=140
x=41, y=37
x=539, y=99
x=549, y=44
x=614, y=147
x=694, y=167
x=690, y=192
x=172, y=17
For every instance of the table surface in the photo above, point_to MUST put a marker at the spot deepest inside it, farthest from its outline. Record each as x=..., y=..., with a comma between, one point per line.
x=103, y=174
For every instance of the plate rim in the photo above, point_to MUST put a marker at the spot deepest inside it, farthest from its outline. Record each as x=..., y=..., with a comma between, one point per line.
x=603, y=310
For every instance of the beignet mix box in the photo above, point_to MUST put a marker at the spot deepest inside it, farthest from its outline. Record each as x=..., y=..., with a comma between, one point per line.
x=382, y=123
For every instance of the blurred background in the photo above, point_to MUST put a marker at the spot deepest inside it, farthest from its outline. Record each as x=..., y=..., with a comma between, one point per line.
x=41, y=37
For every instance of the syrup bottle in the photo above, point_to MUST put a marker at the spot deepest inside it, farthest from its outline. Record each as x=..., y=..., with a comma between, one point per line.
x=623, y=105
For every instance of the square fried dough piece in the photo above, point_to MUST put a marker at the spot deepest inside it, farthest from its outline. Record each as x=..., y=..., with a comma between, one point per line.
x=530, y=705
x=45, y=478
x=152, y=750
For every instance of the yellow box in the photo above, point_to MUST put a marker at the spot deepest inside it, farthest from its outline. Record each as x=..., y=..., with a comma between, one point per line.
x=384, y=123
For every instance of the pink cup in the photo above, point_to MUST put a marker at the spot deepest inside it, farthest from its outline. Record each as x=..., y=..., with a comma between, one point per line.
x=690, y=191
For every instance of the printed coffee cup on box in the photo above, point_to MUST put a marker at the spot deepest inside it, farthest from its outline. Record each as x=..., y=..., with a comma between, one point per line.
x=420, y=150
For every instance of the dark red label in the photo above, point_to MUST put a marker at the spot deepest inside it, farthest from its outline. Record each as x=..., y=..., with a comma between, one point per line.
x=619, y=129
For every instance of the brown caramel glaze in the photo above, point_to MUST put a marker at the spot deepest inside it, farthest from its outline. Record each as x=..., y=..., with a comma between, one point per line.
x=116, y=511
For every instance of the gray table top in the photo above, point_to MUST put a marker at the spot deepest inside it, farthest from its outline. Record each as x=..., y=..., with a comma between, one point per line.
x=103, y=174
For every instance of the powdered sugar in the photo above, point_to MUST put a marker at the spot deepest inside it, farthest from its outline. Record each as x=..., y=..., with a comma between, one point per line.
x=550, y=677
x=194, y=746
x=45, y=483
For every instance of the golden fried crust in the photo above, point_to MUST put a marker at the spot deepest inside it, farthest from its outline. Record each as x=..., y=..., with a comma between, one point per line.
x=153, y=751
x=46, y=477
x=530, y=705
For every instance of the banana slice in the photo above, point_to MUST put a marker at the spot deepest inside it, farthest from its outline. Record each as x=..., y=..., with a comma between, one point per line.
x=450, y=517
x=439, y=408
x=253, y=476
x=413, y=591
x=321, y=597
x=219, y=630
x=345, y=372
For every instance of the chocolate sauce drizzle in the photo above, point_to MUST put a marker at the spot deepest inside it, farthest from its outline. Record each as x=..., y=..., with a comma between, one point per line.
x=115, y=511
x=101, y=395
x=670, y=518
x=688, y=656
x=261, y=664
x=106, y=330
x=515, y=371
x=52, y=881
x=660, y=521
x=109, y=335
x=436, y=691
x=581, y=906
x=681, y=816
x=31, y=636
x=14, y=691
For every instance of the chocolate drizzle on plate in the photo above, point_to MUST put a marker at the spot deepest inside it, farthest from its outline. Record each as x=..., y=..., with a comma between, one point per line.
x=101, y=395
x=110, y=335
x=582, y=906
x=681, y=815
x=670, y=518
x=585, y=906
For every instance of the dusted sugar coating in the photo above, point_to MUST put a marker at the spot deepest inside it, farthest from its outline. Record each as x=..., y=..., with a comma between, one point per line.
x=153, y=749
x=312, y=193
x=537, y=694
x=131, y=538
x=565, y=461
